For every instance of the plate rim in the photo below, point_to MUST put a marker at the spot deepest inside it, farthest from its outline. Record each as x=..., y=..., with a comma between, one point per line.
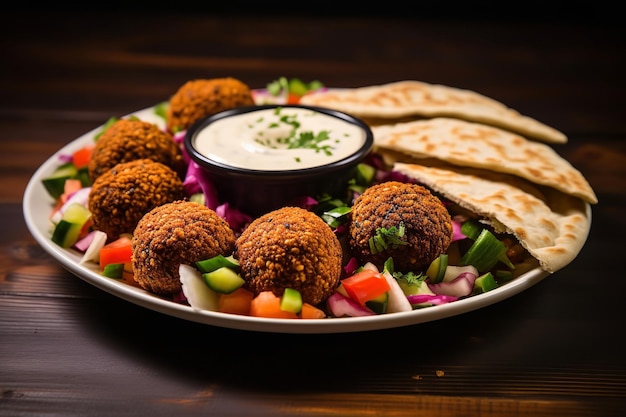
x=35, y=196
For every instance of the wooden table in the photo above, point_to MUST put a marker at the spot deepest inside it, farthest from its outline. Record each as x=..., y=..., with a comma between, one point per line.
x=67, y=348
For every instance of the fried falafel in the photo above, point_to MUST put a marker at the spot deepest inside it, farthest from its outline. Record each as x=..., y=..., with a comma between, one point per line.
x=399, y=220
x=200, y=98
x=180, y=232
x=290, y=248
x=122, y=195
x=129, y=139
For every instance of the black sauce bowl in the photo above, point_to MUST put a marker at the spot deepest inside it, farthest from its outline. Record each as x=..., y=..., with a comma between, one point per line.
x=258, y=191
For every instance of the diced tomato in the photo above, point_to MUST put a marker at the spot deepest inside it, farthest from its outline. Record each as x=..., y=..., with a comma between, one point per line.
x=237, y=302
x=267, y=304
x=311, y=312
x=293, y=98
x=70, y=186
x=365, y=285
x=81, y=157
x=117, y=252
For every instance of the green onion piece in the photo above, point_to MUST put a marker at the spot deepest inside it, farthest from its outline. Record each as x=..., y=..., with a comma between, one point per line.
x=485, y=252
x=113, y=270
x=364, y=174
x=503, y=275
x=471, y=229
x=485, y=282
x=437, y=268
x=336, y=216
x=217, y=262
x=388, y=266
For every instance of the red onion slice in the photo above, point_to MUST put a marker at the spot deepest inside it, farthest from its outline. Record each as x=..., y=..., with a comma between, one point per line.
x=341, y=306
x=460, y=286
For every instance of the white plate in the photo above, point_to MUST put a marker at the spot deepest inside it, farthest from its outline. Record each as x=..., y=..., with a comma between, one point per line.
x=37, y=205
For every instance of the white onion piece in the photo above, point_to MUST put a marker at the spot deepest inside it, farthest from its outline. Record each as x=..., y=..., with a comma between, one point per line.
x=341, y=306
x=370, y=266
x=453, y=271
x=397, y=301
x=98, y=240
x=199, y=295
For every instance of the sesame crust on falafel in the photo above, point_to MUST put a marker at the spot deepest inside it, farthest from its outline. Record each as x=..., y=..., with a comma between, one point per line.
x=426, y=222
x=290, y=248
x=180, y=232
x=123, y=194
x=203, y=97
x=129, y=139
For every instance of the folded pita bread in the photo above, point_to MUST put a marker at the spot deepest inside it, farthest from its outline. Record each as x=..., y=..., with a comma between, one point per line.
x=552, y=226
x=406, y=100
x=458, y=142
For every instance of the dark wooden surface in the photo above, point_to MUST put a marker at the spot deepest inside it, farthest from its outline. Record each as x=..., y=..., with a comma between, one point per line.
x=67, y=348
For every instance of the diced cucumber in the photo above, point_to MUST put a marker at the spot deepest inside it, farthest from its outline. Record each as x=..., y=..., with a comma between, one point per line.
x=66, y=231
x=223, y=280
x=83, y=175
x=379, y=304
x=437, y=268
x=216, y=262
x=55, y=183
x=198, y=198
x=76, y=213
x=485, y=282
x=291, y=301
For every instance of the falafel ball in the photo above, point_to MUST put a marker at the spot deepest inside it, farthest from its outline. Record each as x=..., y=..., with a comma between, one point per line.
x=127, y=140
x=123, y=194
x=180, y=232
x=399, y=220
x=290, y=248
x=197, y=99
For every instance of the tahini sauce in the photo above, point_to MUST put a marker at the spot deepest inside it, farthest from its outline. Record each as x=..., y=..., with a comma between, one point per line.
x=259, y=140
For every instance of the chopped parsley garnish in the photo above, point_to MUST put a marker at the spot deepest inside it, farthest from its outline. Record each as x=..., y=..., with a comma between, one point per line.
x=410, y=278
x=309, y=140
x=295, y=139
x=386, y=238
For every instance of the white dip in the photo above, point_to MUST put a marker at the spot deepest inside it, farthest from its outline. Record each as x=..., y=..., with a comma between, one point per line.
x=279, y=139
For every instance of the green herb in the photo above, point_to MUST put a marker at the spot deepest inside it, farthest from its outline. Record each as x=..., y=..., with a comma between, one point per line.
x=309, y=140
x=336, y=216
x=410, y=278
x=294, y=86
x=295, y=139
x=107, y=125
x=161, y=109
x=386, y=238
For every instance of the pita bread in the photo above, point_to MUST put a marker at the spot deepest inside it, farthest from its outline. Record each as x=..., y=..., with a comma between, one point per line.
x=476, y=145
x=411, y=99
x=552, y=226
